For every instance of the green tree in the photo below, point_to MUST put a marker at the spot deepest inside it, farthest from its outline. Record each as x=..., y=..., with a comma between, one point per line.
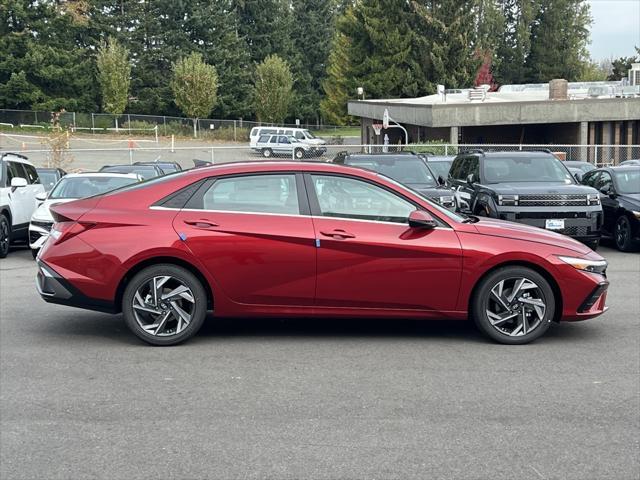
x=273, y=83
x=114, y=75
x=339, y=86
x=194, y=85
x=514, y=45
x=620, y=66
x=559, y=39
x=592, y=72
x=46, y=47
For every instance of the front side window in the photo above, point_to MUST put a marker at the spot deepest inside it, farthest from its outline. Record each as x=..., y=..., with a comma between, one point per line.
x=14, y=170
x=284, y=140
x=299, y=135
x=605, y=182
x=459, y=169
x=253, y=193
x=344, y=197
x=591, y=179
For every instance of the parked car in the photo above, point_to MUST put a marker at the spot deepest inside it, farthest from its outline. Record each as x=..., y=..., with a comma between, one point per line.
x=439, y=164
x=628, y=163
x=578, y=168
x=49, y=176
x=531, y=187
x=407, y=168
x=166, y=167
x=301, y=134
x=286, y=146
x=619, y=189
x=308, y=240
x=145, y=171
x=71, y=187
x=19, y=186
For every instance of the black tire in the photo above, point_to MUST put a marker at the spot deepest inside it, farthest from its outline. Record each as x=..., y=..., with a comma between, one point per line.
x=299, y=153
x=622, y=234
x=34, y=253
x=267, y=152
x=593, y=244
x=482, y=299
x=5, y=235
x=180, y=274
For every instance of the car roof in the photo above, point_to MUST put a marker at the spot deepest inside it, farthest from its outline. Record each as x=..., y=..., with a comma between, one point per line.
x=131, y=167
x=15, y=157
x=102, y=174
x=574, y=162
x=518, y=153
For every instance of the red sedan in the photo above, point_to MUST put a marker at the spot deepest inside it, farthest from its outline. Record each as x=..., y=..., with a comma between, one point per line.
x=308, y=239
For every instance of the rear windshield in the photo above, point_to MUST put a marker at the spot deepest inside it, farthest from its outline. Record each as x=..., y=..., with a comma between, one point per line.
x=82, y=187
x=407, y=170
x=526, y=169
x=144, y=172
x=628, y=180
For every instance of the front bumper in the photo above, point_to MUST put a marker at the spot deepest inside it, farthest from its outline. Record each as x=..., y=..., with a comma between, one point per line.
x=38, y=234
x=581, y=223
x=53, y=288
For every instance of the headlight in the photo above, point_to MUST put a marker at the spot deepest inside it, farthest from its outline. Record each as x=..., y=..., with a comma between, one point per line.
x=593, y=199
x=591, y=266
x=636, y=214
x=507, y=200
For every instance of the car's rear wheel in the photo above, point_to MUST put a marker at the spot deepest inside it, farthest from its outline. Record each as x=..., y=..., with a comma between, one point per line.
x=164, y=304
x=267, y=152
x=513, y=305
x=622, y=234
x=5, y=235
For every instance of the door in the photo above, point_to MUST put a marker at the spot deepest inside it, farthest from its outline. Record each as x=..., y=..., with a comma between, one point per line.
x=369, y=257
x=459, y=173
x=254, y=235
x=21, y=198
x=609, y=204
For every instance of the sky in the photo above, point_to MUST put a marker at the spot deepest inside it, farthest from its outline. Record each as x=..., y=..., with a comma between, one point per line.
x=616, y=28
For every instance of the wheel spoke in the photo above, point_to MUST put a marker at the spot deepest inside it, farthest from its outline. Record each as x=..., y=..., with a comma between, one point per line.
x=497, y=320
x=181, y=291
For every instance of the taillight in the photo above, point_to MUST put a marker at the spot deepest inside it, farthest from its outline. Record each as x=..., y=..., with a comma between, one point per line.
x=62, y=231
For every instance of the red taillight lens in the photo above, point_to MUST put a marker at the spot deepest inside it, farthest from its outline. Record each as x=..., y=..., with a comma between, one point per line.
x=62, y=231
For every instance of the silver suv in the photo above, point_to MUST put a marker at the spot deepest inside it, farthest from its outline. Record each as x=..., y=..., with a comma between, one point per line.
x=285, y=146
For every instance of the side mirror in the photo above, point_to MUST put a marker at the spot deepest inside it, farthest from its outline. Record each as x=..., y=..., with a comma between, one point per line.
x=578, y=177
x=471, y=179
x=441, y=180
x=18, y=182
x=421, y=219
x=41, y=197
x=606, y=190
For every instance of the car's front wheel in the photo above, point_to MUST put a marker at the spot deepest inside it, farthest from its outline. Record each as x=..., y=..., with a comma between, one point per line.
x=164, y=304
x=513, y=305
x=622, y=234
x=267, y=152
x=5, y=235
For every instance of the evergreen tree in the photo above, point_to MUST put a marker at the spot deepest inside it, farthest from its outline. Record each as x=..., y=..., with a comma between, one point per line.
x=44, y=58
x=559, y=39
x=620, y=66
x=338, y=86
x=515, y=44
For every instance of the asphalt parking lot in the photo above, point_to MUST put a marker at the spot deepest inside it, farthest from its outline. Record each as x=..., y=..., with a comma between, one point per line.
x=82, y=398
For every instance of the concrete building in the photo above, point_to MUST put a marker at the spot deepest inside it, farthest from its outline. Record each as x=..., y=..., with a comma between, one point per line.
x=596, y=113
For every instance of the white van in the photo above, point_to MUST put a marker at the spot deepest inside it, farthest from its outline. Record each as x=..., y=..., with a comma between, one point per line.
x=301, y=134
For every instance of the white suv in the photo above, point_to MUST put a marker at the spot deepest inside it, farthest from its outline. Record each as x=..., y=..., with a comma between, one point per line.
x=301, y=134
x=285, y=146
x=19, y=185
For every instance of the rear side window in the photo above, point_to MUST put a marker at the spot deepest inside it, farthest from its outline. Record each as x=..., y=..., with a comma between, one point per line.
x=251, y=194
x=32, y=174
x=263, y=138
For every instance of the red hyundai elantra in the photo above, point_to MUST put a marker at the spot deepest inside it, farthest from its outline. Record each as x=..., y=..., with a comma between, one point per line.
x=308, y=239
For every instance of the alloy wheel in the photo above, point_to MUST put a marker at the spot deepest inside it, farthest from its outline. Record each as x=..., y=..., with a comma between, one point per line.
x=622, y=232
x=516, y=306
x=4, y=236
x=163, y=306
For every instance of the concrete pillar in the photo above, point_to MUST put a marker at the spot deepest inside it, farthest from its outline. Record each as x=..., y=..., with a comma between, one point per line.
x=583, y=139
x=617, y=137
x=453, y=135
x=605, y=155
x=592, y=141
x=629, y=140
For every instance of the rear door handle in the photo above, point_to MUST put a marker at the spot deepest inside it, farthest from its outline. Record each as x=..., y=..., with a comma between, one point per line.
x=202, y=223
x=337, y=233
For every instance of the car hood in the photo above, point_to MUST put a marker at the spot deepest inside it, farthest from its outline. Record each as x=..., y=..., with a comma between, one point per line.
x=632, y=198
x=313, y=141
x=430, y=192
x=43, y=214
x=519, y=231
x=540, y=188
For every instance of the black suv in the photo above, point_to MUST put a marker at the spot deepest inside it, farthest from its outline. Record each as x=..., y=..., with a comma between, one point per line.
x=531, y=187
x=407, y=168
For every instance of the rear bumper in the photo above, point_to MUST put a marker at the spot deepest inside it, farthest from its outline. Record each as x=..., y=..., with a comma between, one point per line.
x=53, y=288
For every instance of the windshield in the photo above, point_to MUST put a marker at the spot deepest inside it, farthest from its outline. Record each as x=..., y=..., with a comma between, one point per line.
x=526, y=169
x=308, y=134
x=628, y=180
x=48, y=179
x=440, y=168
x=406, y=170
x=81, y=187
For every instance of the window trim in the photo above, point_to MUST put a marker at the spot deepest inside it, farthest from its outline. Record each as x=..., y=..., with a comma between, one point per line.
x=314, y=203
x=198, y=197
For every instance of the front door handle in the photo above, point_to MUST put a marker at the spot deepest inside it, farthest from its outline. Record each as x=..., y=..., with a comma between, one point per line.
x=202, y=223
x=337, y=233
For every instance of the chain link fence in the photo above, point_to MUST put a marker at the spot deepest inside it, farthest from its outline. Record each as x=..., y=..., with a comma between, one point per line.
x=90, y=153
x=150, y=125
